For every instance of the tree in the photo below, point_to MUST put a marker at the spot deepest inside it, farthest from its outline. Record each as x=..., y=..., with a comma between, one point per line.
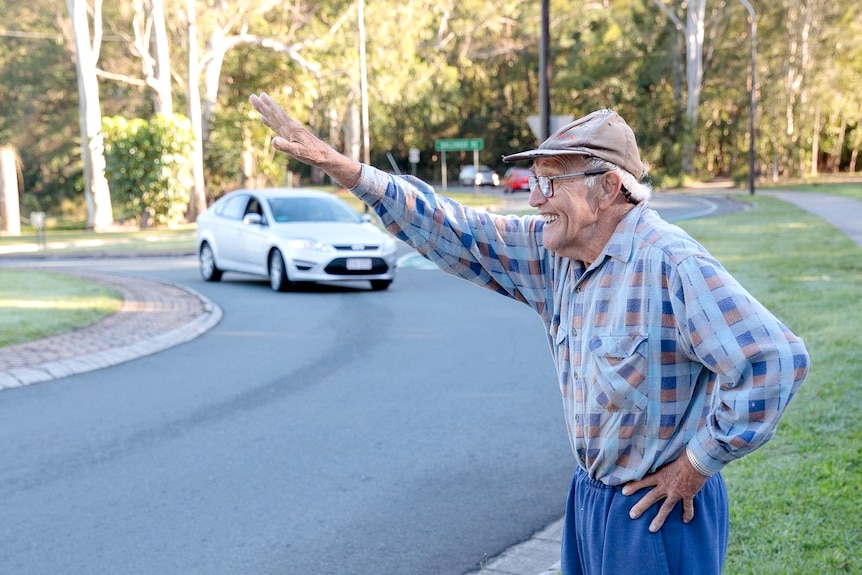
x=96, y=190
x=198, y=196
x=228, y=25
x=693, y=31
x=439, y=68
x=152, y=46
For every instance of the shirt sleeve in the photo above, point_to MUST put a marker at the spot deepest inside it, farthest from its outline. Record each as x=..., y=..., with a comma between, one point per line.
x=759, y=362
x=501, y=253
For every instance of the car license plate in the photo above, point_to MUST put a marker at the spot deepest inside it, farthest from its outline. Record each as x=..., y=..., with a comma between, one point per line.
x=357, y=264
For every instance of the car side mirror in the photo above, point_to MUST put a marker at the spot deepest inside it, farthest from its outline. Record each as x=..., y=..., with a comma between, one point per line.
x=249, y=219
x=365, y=218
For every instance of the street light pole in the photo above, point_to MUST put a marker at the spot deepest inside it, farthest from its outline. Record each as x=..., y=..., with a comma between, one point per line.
x=363, y=89
x=752, y=95
x=363, y=85
x=545, y=74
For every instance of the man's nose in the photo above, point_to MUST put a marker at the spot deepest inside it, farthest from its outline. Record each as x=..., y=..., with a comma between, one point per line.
x=536, y=197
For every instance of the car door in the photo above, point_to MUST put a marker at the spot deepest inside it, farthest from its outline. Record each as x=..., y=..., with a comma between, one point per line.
x=226, y=232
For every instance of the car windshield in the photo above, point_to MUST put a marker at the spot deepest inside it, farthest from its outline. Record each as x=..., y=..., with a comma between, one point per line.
x=303, y=209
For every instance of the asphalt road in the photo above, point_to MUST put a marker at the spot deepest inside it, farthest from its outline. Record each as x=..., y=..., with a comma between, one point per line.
x=329, y=431
x=332, y=430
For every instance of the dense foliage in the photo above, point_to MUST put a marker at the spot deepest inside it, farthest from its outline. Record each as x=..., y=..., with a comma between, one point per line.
x=449, y=68
x=148, y=167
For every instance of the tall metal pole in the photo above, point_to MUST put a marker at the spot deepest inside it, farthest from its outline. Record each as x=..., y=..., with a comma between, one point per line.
x=752, y=95
x=545, y=74
x=363, y=85
x=363, y=89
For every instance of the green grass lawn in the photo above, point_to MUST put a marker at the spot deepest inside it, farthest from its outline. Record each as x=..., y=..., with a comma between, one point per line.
x=35, y=304
x=796, y=504
x=84, y=242
x=846, y=189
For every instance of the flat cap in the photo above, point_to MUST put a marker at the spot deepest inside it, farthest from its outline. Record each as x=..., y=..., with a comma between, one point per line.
x=602, y=134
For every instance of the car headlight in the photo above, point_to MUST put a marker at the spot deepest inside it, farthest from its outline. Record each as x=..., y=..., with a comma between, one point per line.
x=308, y=244
x=389, y=245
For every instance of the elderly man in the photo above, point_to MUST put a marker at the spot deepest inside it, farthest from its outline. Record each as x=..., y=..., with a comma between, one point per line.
x=669, y=369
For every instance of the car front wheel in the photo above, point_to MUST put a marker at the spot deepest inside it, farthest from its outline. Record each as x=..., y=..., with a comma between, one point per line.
x=278, y=279
x=209, y=269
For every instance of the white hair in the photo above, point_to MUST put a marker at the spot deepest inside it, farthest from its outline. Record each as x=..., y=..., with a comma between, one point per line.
x=634, y=190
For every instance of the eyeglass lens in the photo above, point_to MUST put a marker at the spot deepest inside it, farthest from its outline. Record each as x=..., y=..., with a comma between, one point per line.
x=544, y=183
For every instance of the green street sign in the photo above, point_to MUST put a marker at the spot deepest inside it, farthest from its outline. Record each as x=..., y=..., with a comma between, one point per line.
x=459, y=144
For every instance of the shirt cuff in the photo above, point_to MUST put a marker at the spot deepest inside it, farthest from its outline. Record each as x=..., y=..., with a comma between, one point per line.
x=371, y=186
x=701, y=449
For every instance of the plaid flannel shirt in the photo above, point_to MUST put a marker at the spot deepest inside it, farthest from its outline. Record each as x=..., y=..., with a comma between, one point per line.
x=657, y=347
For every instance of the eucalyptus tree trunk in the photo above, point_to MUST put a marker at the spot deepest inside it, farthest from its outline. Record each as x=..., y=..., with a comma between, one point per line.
x=694, y=35
x=10, y=210
x=692, y=32
x=815, y=144
x=96, y=191
x=800, y=24
x=857, y=143
x=162, y=58
x=198, y=197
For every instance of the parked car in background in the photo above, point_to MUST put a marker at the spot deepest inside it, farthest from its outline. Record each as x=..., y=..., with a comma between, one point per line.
x=291, y=236
x=516, y=179
x=485, y=176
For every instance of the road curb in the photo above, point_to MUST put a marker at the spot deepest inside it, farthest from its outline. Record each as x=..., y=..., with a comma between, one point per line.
x=155, y=316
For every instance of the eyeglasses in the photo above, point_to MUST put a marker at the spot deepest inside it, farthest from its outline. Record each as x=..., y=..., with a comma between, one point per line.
x=546, y=185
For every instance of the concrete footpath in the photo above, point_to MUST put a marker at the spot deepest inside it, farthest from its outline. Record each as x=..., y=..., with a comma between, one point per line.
x=157, y=315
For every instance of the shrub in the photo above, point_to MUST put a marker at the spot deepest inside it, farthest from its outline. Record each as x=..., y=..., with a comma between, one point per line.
x=149, y=167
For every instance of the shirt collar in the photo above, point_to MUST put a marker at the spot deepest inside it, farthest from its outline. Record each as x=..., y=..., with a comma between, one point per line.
x=620, y=246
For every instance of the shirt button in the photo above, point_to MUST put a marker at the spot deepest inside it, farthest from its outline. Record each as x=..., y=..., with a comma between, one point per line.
x=574, y=332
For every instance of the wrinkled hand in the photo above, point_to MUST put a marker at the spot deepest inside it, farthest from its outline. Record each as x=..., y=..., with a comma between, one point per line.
x=677, y=481
x=297, y=142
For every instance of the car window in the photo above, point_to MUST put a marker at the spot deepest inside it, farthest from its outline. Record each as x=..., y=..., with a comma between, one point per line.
x=311, y=210
x=233, y=207
x=254, y=207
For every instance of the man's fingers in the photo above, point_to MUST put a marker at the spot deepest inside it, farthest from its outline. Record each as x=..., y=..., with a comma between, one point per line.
x=271, y=113
x=647, y=481
x=663, y=512
x=634, y=486
x=687, y=510
x=645, y=503
x=280, y=143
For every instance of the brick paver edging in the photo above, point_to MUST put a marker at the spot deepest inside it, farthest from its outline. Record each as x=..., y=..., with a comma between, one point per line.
x=154, y=316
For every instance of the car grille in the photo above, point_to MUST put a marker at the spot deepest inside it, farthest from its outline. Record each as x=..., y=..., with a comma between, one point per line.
x=355, y=247
x=338, y=266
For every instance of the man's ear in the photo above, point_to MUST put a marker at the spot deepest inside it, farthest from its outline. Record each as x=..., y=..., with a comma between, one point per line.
x=610, y=188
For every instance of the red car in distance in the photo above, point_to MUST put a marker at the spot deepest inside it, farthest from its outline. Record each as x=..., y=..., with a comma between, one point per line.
x=516, y=179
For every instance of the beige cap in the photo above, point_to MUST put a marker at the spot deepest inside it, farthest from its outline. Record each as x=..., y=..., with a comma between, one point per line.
x=603, y=134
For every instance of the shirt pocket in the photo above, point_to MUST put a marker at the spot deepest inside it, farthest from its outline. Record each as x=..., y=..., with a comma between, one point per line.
x=619, y=366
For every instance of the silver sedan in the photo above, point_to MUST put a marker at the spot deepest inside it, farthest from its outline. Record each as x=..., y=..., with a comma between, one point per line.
x=291, y=236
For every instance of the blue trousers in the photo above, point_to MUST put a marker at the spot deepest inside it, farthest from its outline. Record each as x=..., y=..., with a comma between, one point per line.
x=599, y=537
